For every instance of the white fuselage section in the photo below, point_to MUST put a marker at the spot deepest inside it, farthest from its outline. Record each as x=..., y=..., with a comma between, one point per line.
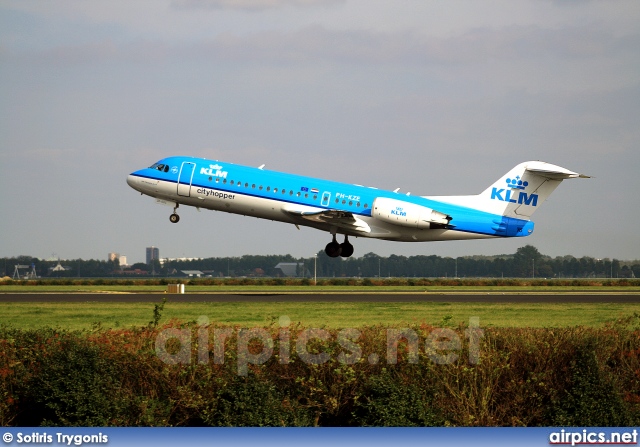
x=502, y=210
x=246, y=198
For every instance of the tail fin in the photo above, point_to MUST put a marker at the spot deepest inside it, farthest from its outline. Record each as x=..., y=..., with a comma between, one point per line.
x=519, y=192
x=522, y=190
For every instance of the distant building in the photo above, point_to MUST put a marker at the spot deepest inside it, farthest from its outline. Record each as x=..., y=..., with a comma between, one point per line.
x=164, y=260
x=192, y=273
x=292, y=269
x=153, y=254
x=122, y=259
x=135, y=272
x=59, y=268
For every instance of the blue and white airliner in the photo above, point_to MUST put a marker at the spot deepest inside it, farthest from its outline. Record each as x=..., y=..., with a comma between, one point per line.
x=504, y=209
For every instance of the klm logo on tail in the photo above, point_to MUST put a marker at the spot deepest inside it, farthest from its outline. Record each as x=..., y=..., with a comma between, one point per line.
x=508, y=194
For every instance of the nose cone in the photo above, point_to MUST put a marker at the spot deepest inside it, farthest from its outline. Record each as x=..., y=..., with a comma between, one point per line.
x=133, y=180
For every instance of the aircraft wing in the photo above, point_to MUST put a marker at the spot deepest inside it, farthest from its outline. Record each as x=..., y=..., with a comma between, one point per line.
x=341, y=219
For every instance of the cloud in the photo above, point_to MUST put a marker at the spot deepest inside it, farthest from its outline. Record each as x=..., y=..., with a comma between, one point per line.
x=317, y=44
x=251, y=5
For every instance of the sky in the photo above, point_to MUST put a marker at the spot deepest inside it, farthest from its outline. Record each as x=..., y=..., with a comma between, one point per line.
x=430, y=96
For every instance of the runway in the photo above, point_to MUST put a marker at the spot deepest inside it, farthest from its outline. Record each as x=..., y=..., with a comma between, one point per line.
x=322, y=297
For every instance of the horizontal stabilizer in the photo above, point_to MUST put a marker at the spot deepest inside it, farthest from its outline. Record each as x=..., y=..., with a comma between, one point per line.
x=552, y=171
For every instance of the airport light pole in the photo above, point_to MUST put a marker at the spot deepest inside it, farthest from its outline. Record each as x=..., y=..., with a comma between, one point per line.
x=315, y=269
x=533, y=268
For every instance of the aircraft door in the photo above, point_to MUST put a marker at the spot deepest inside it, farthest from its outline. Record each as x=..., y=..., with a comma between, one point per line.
x=326, y=197
x=185, y=177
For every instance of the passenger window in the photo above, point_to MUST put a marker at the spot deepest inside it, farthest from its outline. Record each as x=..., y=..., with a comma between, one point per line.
x=315, y=196
x=275, y=189
x=166, y=168
x=306, y=196
x=232, y=182
x=260, y=188
x=246, y=185
x=366, y=206
x=268, y=188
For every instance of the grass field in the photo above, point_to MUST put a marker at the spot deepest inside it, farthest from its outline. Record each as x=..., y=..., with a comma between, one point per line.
x=330, y=314
x=315, y=289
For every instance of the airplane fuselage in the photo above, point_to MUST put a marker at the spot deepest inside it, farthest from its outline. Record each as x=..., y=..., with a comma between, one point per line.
x=342, y=208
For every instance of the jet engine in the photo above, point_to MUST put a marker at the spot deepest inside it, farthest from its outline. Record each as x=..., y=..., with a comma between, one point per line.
x=408, y=214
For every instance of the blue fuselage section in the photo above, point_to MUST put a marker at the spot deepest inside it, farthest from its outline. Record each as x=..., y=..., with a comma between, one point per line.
x=257, y=192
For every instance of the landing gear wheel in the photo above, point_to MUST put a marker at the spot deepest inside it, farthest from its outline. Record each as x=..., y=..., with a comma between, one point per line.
x=346, y=249
x=174, y=218
x=333, y=249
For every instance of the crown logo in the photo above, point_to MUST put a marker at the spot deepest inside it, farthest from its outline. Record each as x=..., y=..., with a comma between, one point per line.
x=517, y=183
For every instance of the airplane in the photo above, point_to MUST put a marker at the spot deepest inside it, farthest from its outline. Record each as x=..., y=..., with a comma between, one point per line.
x=502, y=210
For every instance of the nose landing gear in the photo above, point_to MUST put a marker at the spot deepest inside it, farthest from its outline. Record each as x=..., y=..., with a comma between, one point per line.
x=174, y=218
x=334, y=249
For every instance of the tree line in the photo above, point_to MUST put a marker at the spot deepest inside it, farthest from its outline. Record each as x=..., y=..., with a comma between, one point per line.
x=526, y=262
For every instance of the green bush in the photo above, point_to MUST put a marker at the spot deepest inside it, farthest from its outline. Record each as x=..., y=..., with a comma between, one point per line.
x=525, y=377
x=591, y=397
x=250, y=402
x=392, y=399
x=75, y=385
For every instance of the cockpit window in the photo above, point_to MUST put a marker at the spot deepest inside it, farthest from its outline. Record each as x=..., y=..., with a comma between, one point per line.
x=160, y=167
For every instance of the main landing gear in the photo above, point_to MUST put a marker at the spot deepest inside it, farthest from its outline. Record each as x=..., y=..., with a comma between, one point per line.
x=174, y=218
x=334, y=249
